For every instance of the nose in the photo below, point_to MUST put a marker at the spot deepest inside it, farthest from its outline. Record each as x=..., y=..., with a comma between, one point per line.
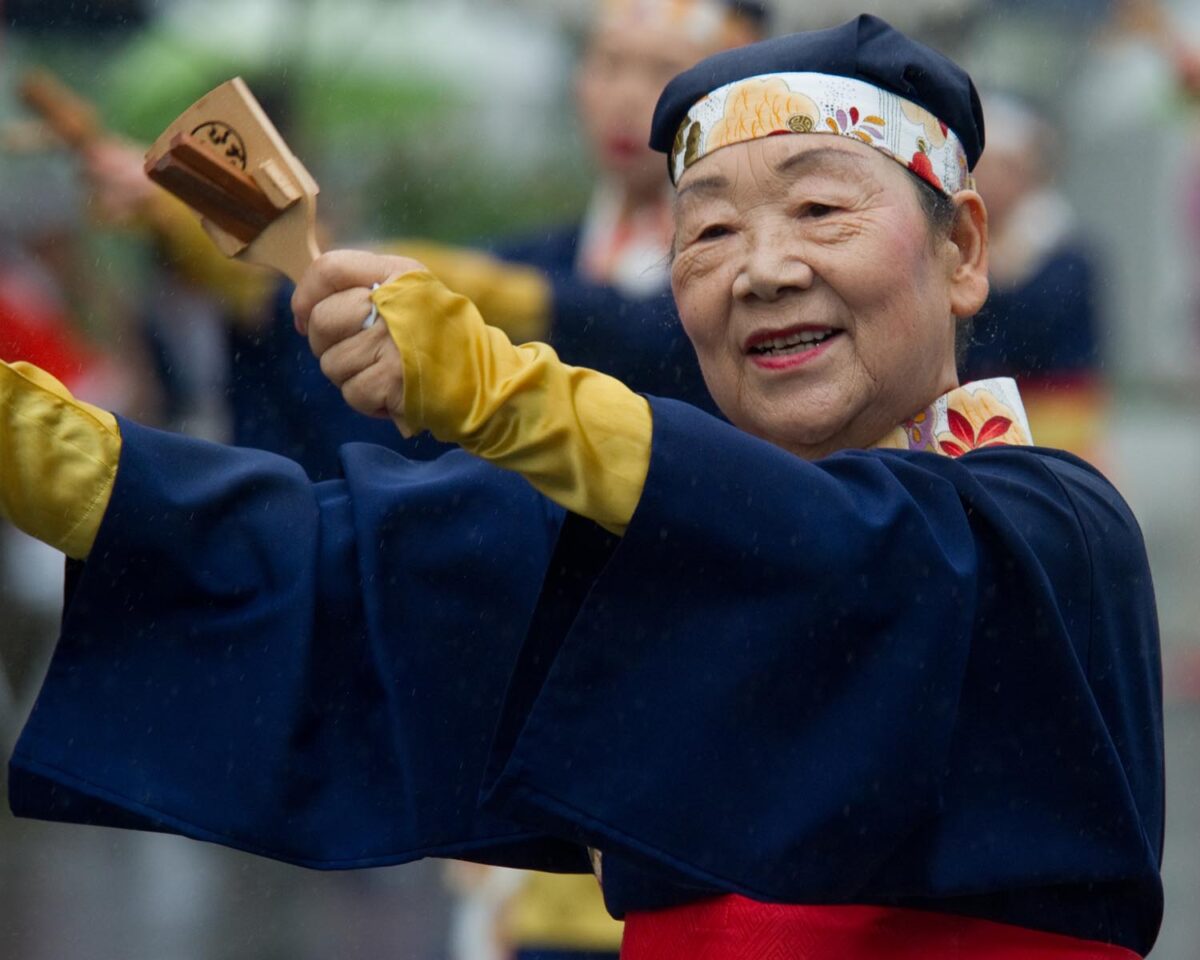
x=772, y=269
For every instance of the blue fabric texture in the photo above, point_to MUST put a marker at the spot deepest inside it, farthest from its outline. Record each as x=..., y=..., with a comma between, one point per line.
x=273, y=714
x=884, y=677
x=861, y=679
x=283, y=403
x=1043, y=327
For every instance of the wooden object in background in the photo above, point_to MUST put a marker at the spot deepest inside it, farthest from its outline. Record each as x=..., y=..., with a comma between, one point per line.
x=71, y=117
x=224, y=158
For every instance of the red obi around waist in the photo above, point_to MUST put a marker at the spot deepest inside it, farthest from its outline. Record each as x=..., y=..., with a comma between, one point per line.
x=735, y=928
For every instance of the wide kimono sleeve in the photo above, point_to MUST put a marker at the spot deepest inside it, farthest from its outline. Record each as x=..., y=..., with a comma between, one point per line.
x=308, y=672
x=881, y=677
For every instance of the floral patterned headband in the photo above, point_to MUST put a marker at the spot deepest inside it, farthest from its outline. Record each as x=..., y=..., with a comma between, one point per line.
x=778, y=103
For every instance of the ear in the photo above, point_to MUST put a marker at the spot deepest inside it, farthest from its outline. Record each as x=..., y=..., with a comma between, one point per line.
x=968, y=248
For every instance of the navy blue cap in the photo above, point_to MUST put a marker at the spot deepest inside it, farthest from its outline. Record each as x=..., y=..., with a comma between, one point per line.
x=865, y=48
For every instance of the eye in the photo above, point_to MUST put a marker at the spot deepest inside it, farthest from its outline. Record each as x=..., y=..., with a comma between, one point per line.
x=713, y=232
x=817, y=210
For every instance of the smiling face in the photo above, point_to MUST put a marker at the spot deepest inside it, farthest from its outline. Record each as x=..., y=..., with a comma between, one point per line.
x=821, y=305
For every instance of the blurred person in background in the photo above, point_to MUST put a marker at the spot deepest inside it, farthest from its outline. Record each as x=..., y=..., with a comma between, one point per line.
x=35, y=327
x=481, y=893
x=595, y=290
x=55, y=313
x=1041, y=321
x=1153, y=20
x=1191, y=195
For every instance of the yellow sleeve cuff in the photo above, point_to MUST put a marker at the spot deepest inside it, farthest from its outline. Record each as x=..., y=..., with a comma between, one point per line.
x=58, y=460
x=515, y=298
x=580, y=437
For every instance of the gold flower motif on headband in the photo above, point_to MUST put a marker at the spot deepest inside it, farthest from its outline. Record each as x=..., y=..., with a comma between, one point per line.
x=935, y=130
x=687, y=142
x=757, y=108
x=851, y=123
x=980, y=421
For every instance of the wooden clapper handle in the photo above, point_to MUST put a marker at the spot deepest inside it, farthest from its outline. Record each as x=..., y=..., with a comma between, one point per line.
x=224, y=158
x=71, y=117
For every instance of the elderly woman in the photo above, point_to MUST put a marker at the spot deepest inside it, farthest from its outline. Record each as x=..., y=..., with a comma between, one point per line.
x=859, y=675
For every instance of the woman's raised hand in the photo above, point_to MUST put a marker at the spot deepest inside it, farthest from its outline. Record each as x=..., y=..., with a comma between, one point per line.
x=120, y=191
x=332, y=305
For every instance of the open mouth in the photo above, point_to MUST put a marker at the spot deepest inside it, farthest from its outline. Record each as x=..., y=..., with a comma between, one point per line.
x=789, y=342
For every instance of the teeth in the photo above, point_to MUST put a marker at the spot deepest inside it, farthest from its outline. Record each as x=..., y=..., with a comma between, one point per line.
x=804, y=338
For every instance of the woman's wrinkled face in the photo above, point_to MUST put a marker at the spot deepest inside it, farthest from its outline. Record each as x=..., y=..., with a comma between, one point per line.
x=819, y=303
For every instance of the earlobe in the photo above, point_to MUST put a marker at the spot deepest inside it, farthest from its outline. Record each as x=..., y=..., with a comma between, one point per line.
x=969, y=236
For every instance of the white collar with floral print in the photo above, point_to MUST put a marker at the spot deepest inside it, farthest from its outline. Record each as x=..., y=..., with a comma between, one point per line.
x=985, y=413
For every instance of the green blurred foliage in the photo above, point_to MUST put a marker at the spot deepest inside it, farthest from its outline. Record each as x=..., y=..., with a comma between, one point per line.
x=396, y=158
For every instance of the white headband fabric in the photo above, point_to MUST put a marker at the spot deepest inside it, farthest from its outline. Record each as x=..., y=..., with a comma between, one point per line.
x=782, y=103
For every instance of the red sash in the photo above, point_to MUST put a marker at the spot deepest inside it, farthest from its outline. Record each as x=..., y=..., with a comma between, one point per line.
x=735, y=928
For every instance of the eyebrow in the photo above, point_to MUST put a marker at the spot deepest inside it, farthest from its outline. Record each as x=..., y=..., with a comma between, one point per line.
x=799, y=164
x=793, y=166
x=709, y=184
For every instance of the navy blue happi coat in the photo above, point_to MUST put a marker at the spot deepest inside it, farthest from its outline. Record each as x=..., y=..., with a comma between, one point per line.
x=881, y=678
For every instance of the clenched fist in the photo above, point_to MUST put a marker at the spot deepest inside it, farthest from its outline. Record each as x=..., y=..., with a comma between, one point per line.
x=331, y=305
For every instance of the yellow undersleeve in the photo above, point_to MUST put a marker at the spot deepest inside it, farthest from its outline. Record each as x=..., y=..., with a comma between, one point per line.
x=579, y=436
x=58, y=460
x=513, y=297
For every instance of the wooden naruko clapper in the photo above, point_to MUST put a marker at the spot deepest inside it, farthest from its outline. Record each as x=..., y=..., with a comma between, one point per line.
x=224, y=158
